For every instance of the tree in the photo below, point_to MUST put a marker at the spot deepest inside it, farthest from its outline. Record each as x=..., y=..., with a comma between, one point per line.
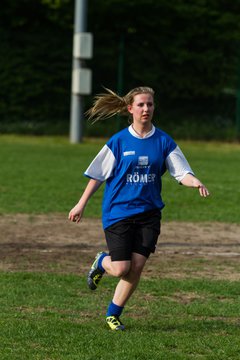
x=186, y=50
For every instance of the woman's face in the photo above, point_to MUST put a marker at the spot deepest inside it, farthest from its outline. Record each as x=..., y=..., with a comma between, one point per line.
x=142, y=109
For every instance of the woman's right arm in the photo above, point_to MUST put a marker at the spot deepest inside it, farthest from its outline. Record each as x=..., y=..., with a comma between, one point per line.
x=101, y=168
x=76, y=213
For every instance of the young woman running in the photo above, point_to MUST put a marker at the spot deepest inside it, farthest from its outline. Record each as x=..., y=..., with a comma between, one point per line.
x=131, y=164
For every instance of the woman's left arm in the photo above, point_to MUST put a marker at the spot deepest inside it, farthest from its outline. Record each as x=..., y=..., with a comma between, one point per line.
x=180, y=169
x=191, y=181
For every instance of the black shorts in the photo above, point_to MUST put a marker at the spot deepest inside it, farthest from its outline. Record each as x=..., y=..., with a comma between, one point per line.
x=138, y=233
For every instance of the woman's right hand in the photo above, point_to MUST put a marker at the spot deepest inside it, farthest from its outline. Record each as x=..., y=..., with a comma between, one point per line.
x=76, y=213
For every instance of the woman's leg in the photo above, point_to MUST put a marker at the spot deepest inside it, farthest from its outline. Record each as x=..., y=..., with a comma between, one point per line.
x=128, y=282
x=129, y=271
x=116, y=268
x=125, y=287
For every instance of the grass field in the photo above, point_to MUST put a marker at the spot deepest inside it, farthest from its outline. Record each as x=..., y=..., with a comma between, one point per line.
x=53, y=316
x=45, y=175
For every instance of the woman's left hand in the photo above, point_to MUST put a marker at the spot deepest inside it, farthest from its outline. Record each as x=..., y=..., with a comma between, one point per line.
x=203, y=191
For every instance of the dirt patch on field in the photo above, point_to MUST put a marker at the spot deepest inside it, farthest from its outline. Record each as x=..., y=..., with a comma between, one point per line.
x=52, y=243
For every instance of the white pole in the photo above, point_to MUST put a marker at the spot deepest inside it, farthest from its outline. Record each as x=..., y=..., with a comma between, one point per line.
x=77, y=112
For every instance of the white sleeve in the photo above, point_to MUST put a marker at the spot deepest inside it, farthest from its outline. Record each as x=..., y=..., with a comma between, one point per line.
x=177, y=164
x=101, y=168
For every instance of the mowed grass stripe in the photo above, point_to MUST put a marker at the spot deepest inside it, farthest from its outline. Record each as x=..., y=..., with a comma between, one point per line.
x=45, y=175
x=50, y=316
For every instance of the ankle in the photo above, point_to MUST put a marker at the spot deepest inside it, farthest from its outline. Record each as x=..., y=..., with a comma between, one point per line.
x=114, y=309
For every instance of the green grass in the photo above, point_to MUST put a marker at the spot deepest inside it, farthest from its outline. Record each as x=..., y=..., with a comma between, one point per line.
x=56, y=317
x=45, y=175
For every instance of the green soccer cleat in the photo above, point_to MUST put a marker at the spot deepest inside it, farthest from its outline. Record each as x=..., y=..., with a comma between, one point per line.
x=95, y=274
x=114, y=323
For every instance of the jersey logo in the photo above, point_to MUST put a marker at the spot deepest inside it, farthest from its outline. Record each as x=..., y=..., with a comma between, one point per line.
x=127, y=153
x=143, y=160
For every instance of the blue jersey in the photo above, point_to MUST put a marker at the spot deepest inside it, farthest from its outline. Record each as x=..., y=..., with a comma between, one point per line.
x=132, y=168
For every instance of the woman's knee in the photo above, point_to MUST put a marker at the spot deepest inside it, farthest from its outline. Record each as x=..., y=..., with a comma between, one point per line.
x=120, y=268
x=137, y=264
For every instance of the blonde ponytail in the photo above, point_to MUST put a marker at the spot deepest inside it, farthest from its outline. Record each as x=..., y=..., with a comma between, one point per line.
x=106, y=105
x=109, y=104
